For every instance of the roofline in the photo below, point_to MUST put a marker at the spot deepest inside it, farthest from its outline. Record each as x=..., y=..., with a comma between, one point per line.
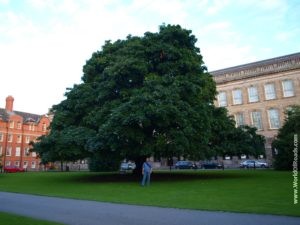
x=263, y=67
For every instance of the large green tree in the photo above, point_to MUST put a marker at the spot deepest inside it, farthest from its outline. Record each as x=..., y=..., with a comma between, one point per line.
x=142, y=96
x=286, y=143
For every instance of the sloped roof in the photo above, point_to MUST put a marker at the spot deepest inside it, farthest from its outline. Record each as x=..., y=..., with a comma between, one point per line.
x=259, y=68
x=3, y=115
x=27, y=117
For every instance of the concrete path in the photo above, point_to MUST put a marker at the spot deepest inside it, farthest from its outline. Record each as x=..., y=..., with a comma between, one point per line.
x=81, y=212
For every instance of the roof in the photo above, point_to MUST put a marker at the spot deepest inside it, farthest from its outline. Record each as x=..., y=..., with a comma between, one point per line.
x=259, y=68
x=27, y=117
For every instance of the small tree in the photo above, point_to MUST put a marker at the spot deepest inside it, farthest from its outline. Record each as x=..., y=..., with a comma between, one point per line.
x=284, y=144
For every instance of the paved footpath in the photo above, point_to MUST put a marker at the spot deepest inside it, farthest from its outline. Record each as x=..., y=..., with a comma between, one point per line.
x=81, y=212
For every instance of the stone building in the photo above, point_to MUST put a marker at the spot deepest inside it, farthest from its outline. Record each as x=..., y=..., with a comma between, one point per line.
x=259, y=93
x=17, y=131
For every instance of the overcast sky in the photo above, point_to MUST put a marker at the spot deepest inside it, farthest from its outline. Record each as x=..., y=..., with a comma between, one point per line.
x=45, y=43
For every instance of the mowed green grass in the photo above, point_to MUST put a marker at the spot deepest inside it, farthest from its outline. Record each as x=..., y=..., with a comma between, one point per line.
x=253, y=191
x=12, y=219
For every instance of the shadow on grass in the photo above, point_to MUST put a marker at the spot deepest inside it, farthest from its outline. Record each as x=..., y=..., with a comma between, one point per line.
x=160, y=176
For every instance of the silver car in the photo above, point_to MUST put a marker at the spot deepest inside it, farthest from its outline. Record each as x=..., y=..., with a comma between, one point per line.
x=253, y=163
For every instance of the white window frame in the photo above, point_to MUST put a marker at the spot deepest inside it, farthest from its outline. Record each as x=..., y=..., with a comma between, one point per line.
x=44, y=127
x=26, y=151
x=27, y=140
x=253, y=94
x=274, y=118
x=9, y=137
x=25, y=164
x=222, y=99
x=256, y=119
x=18, y=151
x=239, y=119
x=19, y=138
x=1, y=137
x=237, y=96
x=33, y=165
x=288, y=88
x=270, y=92
x=8, y=150
x=11, y=124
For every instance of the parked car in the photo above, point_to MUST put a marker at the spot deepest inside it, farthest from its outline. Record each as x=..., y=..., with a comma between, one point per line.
x=185, y=165
x=253, y=163
x=13, y=169
x=211, y=165
x=127, y=166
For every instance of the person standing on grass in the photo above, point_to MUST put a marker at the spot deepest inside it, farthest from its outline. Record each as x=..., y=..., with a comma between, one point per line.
x=147, y=170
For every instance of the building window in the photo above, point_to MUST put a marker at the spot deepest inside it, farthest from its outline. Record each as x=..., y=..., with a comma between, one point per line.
x=256, y=120
x=288, y=88
x=270, y=91
x=25, y=165
x=11, y=124
x=237, y=96
x=253, y=94
x=33, y=165
x=31, y=127
x=17, y=163
x=239, y=119
x=18, y=151
x=227, y=157
x=8, y=151
x=7, y=163
x=19, y=139
x=33, y=154
x=9, y=137
x=27, y=139
x=0, y=150
x=44, y=127
x=1, y=137
x=274, y=119
x=19, y=125
x=26, y=151
x=243, y=156
x=222, y=99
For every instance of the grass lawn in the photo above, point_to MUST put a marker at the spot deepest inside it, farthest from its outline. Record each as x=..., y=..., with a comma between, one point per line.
x=253, y=191
x=7, y=219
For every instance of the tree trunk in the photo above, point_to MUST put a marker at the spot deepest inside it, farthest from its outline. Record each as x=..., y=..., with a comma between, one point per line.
x=139, y=165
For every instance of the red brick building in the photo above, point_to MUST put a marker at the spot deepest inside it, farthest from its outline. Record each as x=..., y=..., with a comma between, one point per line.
x=17, y=130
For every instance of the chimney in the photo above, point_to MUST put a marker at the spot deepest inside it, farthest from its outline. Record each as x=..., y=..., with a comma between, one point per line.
x=9, y=103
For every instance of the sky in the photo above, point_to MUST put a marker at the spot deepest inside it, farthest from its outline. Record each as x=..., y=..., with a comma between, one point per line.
x=45, y=43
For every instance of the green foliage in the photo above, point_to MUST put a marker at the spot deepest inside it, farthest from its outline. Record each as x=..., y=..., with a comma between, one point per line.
x=142, y=96
x=285, y=141
x=101, y=161
x=232, y=141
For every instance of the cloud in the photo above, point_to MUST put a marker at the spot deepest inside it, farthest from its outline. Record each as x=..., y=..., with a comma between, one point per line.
x=216, y=6
x=44, y=44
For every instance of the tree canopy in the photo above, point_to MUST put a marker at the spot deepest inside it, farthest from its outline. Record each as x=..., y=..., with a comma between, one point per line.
x=286, y=143
x=141, y=96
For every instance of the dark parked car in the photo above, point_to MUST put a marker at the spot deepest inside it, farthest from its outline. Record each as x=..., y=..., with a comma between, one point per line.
x=211, y=165
x=13, y=169
x=185, y=165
